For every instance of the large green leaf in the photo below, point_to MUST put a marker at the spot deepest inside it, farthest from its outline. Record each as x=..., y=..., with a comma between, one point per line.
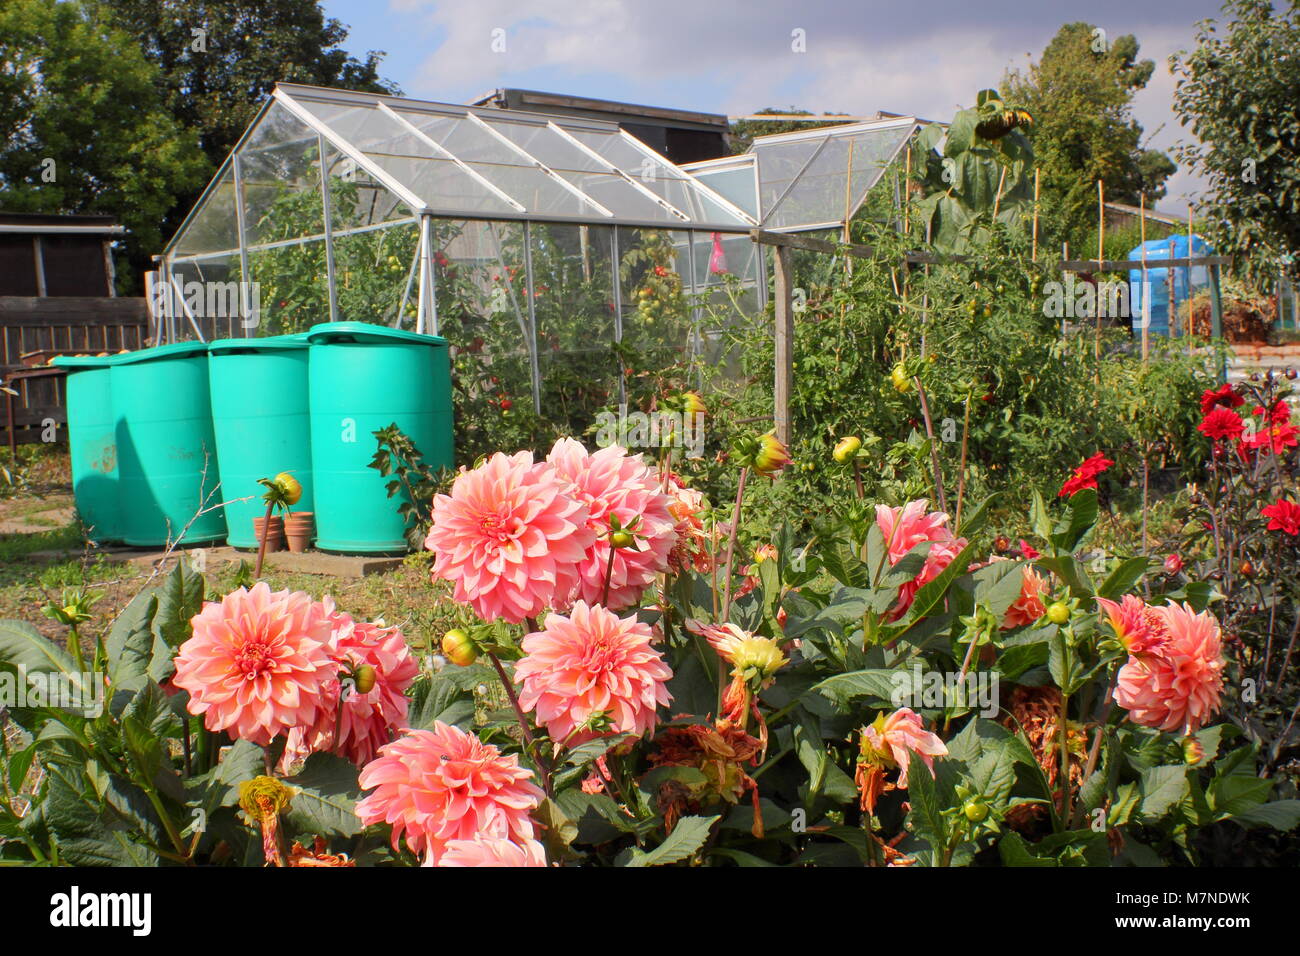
x=326, y=803
x=688, y=836
x=1081, y=515
x=877, y=684
x=1163, y=788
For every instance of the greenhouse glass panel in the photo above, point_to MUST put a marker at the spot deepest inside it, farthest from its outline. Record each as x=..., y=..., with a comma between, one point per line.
x=730, y=290
x=573, y=304
x=820, y=177
x=483, y=310
x=657, y=319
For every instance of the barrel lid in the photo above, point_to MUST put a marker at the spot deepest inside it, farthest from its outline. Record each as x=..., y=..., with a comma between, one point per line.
x=327, y=332
x=263, y=344
x=86, y=361
x=174, y=350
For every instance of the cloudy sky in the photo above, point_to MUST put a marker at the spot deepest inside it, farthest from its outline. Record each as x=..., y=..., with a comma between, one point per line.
x=734, y=57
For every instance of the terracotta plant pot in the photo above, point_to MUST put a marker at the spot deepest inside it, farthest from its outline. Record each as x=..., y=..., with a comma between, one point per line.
x=299, y=530
x=274, y=535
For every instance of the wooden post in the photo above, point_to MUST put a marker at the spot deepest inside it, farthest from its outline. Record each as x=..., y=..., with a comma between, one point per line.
x=784, y=276
x=1145, y=286
x=1101, y=257
x=1216, y=317
x=1034, y=253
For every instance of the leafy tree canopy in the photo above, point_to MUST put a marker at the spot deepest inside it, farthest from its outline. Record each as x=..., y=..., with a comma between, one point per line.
x=83, y=126
x=1080, y=94
x=1239, y=93
x=218, y=59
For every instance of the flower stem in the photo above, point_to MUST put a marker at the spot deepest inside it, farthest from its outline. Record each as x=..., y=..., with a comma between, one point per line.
x=731, y=543
x=542, y=767
x=261, y=545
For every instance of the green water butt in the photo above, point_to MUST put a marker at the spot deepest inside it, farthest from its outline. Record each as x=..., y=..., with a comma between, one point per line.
x=92, y=443
x=166, y=451
x=261, y=421
x=364, y=378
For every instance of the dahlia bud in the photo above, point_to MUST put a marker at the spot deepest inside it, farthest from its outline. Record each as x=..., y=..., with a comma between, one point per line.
x=621, y=539
x=1173, y=563
x=772, y=455
x=291, y=486
x=900, y=379
x=1193, y=752
x=364, y=678
x=975, y=810
x=459, y=648
x=1058, y=613
x=846, y=448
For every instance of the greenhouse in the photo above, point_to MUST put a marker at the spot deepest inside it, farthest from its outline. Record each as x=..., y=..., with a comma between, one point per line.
x=561, y=250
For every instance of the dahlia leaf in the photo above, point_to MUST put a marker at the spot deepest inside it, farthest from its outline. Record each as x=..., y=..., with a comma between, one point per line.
x=326, y=802
x=1280, y=815
x=688, y=836
x=130, y=642
x=1163, y=788
x=1123, y=578
x=1081, y=516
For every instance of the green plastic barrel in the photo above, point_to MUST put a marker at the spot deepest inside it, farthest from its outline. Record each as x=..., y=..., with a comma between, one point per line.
x=166, y=453
x=261, y=422
x=364, y=378
x=92, y=443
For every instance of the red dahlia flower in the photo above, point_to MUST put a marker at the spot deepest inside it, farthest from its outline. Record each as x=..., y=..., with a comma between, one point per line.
x=1085, y=476
x=1224, y=396
x=1221, y=423
x=1285, y=516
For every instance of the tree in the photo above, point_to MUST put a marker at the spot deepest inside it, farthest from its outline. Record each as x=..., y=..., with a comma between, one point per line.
x=743, y=131
x=1080, y=94
x=83, y=127
x=218, y=59
x=1240, y=94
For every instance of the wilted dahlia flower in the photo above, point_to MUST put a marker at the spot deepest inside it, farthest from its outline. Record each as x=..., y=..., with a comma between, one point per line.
x=888, y=743
x=258, y=664
x=688, y=508
x=368, y=704
x=906, y=527
x=435, y=786
x=510, y=537
x=492, y=851
x=614, y=483
x=592, y=662
x=1175, y=685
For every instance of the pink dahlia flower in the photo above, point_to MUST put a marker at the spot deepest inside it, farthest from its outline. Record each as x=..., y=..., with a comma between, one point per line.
x=904, y=528
x=258, y=664
x=896, y=737
x=614, y=483
x=510, y=537
x=492, y=851
x=1137, y=626
x=365, y=720
x=1176, y=684
x=592, y=662
x=435, y=786
x=1028, y=606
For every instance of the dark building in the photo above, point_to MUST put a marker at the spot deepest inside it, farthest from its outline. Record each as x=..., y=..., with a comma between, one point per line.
x=46, y=255
x=683, y=136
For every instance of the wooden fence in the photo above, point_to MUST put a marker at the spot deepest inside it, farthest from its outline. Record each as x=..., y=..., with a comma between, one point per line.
x=34, y=330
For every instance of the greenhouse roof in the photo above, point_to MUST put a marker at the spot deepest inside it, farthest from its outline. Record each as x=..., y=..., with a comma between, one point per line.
x=810, y=179
x=462, y=162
